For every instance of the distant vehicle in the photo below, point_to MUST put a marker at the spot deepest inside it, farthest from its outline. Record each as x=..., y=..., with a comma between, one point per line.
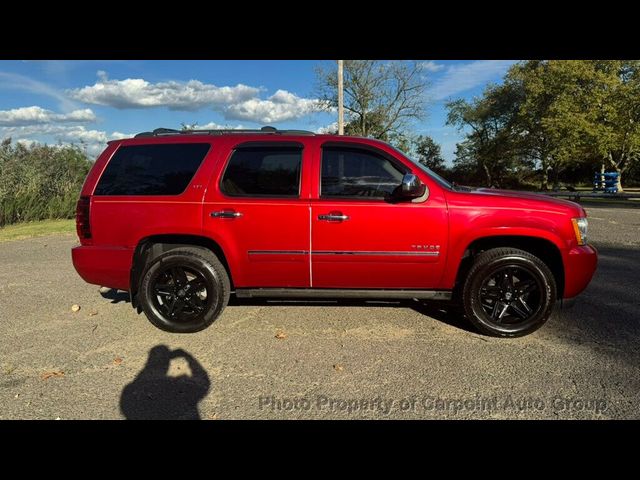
x=184, y=219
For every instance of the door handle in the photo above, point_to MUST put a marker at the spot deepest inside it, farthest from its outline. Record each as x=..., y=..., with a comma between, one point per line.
x=226, y=214
x=334, y=217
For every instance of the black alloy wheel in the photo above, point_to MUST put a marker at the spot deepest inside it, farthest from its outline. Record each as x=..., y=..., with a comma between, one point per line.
x=181, y=293
x=511, y=295
x=184, y=290
x=508, y=292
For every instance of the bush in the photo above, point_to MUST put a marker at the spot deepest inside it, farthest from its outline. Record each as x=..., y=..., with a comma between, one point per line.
x=40, y=181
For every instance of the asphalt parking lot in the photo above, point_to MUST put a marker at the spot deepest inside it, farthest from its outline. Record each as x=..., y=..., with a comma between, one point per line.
x=351, y=360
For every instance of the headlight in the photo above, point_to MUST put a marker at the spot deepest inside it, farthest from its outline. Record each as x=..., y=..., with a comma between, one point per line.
x=580, y=227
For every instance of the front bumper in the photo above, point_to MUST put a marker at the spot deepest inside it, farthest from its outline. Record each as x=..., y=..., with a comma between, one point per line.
x=579, y=266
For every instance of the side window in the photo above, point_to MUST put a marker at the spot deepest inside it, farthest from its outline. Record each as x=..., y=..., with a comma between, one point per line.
x=265, y=171
x=357, y=173
x=162, y=169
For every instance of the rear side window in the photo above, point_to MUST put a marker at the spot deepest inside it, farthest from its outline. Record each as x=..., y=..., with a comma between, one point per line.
x=163, y=169
x=269, y=171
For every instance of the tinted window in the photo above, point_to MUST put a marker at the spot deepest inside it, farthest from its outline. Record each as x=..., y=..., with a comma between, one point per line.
x=357, y=173
x=152, y=169
x=263, y=171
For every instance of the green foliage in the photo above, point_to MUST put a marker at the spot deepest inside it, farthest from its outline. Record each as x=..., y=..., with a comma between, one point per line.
x=427, y=152
x=492, y=149
x=40, y=182
x=557, y=117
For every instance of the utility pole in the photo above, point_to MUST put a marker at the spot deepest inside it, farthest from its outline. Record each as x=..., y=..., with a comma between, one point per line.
x=340, y=99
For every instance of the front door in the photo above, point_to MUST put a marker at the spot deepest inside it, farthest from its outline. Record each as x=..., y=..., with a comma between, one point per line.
x=360, y=239
x=255, y=210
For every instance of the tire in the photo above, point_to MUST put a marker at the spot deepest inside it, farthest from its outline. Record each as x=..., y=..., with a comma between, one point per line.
x=184, y=302
x=511, y=278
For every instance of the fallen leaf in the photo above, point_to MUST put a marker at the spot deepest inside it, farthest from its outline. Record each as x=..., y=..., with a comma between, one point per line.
x=91, y=314
x=117, y=361
x=281, y=335
x=75, y=307
x=52, y=373
x=338, y=367
x=17, y=395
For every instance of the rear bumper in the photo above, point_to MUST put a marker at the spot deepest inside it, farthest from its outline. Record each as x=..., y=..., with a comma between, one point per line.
x=105, y=266
x=579, y=266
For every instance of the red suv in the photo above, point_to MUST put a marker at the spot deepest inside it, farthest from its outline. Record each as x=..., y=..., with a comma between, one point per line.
x=184, y=219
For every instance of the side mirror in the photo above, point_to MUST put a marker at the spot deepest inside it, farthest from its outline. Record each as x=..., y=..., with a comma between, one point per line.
x=411, y=187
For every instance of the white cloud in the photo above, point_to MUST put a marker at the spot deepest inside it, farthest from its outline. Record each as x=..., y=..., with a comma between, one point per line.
x=37, y=115
x=279, y=107
x=93, y=141
x=239, y=102
x=79, y=134
x=120, y=135
x=217, y=126
x=431, y=66
x=331, y=129
x=139, y=93
x=462, y=77
x=26, y=142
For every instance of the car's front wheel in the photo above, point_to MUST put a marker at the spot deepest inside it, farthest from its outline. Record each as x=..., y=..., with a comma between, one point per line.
x=184, y=290
x=508, y=292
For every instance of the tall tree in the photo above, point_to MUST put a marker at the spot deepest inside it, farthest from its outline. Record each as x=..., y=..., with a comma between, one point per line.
x=380, y=98
x=614, y=118
x=535, y=98
x=559, y=115
x=558, y=99
x=570, y=112
x=490, y=145
x=428, y=153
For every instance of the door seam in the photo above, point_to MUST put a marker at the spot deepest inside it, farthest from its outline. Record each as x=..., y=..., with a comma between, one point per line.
x=310, y=262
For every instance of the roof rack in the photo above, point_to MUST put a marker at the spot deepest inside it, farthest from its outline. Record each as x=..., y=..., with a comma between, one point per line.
x=161, y=132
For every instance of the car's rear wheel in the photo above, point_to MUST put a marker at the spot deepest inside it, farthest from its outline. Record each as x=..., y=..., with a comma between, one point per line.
x=184, y=290
x=508, y=292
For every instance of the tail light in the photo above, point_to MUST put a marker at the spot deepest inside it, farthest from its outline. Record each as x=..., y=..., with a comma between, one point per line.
x=83, y=226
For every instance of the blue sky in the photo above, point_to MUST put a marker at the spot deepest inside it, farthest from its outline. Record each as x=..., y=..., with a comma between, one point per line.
x=91, y=102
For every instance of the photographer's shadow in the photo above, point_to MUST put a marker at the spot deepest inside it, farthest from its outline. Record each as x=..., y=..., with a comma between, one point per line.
x=155, y=395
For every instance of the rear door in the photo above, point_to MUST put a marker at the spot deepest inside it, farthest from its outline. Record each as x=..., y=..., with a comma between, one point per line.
x=257, y=209
x=360, y=239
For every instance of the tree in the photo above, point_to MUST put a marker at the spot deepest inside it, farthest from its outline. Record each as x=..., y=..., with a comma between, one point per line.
x=535, y=97
x=40, y=181
x=556, y=113
x=380, y=98
x=614, y=119
x=570, y=112
x=490, y=147
x=428, y=153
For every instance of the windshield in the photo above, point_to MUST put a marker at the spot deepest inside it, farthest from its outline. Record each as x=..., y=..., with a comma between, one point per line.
x=428, y=171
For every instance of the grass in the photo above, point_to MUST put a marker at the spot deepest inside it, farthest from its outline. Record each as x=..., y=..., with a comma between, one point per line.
x=20, y=231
